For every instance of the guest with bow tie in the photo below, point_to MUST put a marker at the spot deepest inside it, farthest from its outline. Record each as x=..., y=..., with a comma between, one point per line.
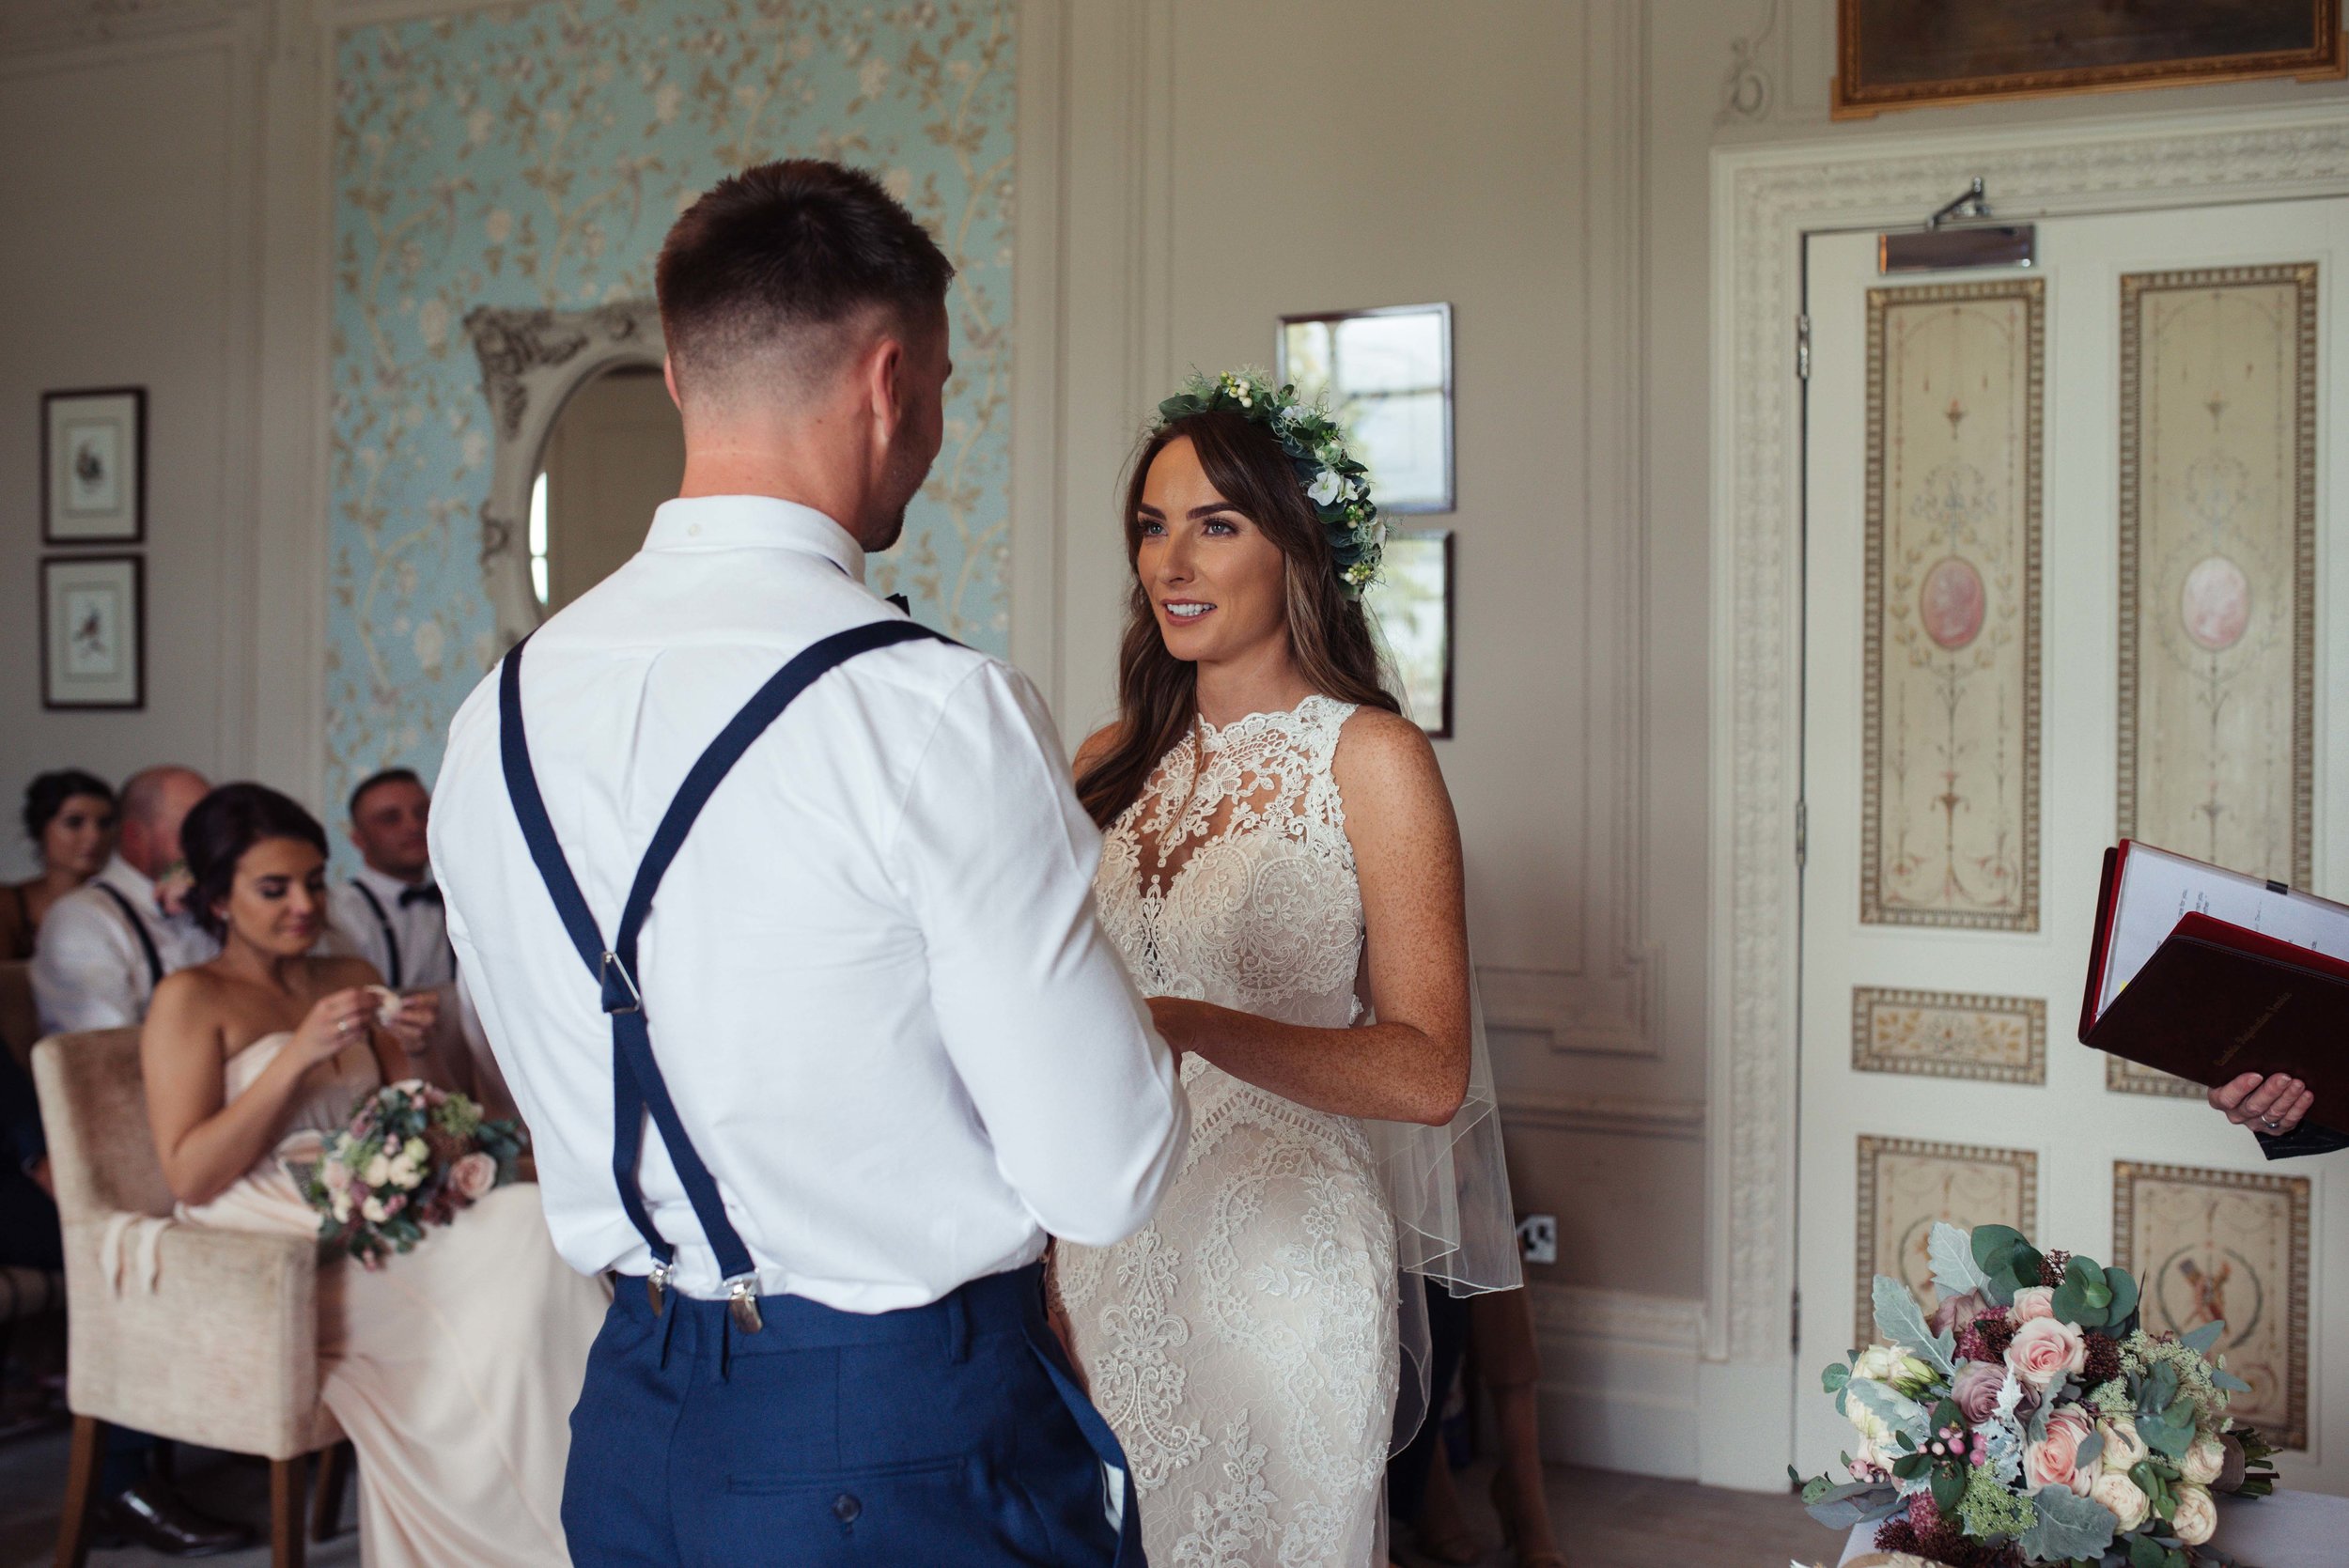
x=390, y=912
x=104, y=946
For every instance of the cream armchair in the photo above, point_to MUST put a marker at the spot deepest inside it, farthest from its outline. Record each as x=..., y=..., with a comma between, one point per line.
x=223, y=1351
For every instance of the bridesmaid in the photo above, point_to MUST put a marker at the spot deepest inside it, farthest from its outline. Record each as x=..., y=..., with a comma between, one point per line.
x=453, y=1368
x=69, y=816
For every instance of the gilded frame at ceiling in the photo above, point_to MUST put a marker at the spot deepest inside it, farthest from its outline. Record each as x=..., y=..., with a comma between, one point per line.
x=1906, y=54
x=2217, y=614
x=1949, y=823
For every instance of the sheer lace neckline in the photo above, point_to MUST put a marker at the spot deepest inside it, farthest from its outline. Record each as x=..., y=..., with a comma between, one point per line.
x=1262, y=774
x=1315, y=703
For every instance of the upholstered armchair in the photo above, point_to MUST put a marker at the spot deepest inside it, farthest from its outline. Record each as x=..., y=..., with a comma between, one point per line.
x=221, y=1351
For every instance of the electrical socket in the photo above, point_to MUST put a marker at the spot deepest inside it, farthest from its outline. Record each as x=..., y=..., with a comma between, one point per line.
x=1537, y=1238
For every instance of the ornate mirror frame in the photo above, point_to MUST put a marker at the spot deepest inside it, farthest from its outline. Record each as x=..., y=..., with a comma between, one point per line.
x=532, y=362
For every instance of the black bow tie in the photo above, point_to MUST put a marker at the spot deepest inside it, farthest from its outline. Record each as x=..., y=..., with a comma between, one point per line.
x=904, y=607
x=428, y=894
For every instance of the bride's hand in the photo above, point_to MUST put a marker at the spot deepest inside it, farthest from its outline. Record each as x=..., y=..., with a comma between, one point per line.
x=1177, y=1020
x=409, y=1019
x=339, y=1020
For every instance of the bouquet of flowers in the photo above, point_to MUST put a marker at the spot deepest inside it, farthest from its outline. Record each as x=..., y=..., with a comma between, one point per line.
x=2031, y=1418
x=412, y=1156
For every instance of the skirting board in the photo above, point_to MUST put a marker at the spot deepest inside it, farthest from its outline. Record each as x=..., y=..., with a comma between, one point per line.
x=1619, y=1379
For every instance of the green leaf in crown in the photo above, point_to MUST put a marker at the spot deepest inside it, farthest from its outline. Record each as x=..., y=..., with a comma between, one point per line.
x=1338, y=486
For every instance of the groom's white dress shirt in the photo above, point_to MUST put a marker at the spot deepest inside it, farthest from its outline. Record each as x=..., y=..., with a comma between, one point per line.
x=416, y=925
x=90, y=970
x=875, y=981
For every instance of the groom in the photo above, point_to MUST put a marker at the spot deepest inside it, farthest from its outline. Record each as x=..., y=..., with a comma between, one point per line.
x=821, y=1098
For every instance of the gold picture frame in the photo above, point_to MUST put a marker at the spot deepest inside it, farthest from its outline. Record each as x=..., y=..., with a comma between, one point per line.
x=1907, y=53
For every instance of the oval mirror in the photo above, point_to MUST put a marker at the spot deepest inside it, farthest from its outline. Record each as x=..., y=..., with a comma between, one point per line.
x=616, y=454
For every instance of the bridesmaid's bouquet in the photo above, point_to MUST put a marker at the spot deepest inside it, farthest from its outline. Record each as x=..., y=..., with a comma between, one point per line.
x=2033, y=1419
x=412, y=1156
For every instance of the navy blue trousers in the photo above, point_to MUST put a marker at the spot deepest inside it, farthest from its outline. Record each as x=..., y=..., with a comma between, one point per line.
x=933, y=1437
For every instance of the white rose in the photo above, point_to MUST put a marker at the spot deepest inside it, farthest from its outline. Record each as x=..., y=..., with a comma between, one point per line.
x=415, y=1150
x=379, y=1170
x=2197, y=1518
x=402, y=1173
x=1872, y=1428
x=1325, y=487
x=342, y=1208
x=2205, y=1460
x=372, y=1211
x=2117, y=1492
x=2123, y=1446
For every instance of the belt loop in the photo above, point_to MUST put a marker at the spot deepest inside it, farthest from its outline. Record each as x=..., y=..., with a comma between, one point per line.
x=726, y=1345
x=668, y=1330
x=958, y=1326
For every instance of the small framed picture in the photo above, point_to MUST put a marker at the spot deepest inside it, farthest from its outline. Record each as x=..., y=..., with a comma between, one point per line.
x=1410, y=613
x=93, y=466
x=1387, y=375
x=93, y=632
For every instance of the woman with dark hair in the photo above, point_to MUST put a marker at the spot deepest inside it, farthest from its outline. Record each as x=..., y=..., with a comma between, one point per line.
x=1282, y=867
x=453, y=1368
x=69, y=816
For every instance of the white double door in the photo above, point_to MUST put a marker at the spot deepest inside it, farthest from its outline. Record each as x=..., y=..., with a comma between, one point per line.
x=1955, y=820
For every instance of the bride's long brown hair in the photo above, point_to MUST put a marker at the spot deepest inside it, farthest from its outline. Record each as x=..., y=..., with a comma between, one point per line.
x=1328, y=636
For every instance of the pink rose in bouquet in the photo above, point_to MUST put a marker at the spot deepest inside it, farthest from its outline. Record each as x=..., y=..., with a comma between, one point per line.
x=1977, y=1389
x=2045, y=1351
x=1954, y=1312
x=471, y=1176
x=2054, y=1461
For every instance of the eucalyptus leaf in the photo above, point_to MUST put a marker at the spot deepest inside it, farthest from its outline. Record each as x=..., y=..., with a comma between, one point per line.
x=2090, y=1449
x=2125, y=1294
x=2203, y=1337
x=1834, y=1377
x=2228, y=1382
x=1901, y=1322
x=1857, y=1507
x=2068, y=1526
x=1954, y=1271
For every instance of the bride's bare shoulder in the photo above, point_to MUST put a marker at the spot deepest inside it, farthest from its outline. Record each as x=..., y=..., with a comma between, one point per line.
x=1386, y=770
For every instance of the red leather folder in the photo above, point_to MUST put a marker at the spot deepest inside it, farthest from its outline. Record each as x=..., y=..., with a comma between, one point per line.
x=2218, y=1000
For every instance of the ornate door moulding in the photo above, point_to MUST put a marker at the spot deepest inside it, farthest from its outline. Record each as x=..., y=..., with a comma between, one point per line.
x=1906, y=1184
x=532, y=361
x=1765, y=199
x=1950, y=779
x=2218, y=564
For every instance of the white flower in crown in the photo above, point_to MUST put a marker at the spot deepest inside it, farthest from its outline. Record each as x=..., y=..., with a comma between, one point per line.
x=1326, y=487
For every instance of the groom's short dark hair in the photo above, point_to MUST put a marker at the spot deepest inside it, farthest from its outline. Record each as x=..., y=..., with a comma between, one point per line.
x=779, y=258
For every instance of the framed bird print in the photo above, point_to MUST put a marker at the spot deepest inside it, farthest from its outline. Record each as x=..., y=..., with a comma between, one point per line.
x=93, y=632
x=93, y=466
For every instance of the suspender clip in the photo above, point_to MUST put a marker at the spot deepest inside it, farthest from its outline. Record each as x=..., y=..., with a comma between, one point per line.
x=742, y=1301
x=620, y=994
x=653, y=1283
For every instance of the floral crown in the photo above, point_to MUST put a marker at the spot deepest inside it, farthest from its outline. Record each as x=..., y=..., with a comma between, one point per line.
x=1338, y=486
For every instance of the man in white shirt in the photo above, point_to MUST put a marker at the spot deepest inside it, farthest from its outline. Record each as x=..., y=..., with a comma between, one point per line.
x=389, y=911
x=874, y=1044
x=105, y=945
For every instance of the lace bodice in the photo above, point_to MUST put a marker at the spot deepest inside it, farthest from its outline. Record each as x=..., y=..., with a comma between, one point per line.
x=1231, y=881
x=1243, y=1344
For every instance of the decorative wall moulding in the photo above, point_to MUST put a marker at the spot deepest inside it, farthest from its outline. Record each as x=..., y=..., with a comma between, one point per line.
x=1621, y=1317
x=35, y=26
x=1594, y=1015
x=1616, y=1115
x=1764, y=200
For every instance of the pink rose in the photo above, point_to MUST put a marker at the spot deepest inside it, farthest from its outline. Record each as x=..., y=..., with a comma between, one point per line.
x=473, y=1175
x=2054, y=1461
x=1954, y=1312
x=2045, y=1352
x=1976, y=1391
x=2035, y=1302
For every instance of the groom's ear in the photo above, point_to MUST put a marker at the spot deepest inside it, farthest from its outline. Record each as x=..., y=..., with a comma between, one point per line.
x=668, y=378
x=884, y=376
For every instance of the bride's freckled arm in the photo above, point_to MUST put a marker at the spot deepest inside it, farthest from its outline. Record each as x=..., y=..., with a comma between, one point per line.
x=1411, y=1065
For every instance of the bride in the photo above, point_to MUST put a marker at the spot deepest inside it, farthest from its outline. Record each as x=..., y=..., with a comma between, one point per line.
x=1279, y=849
x=454, y=1368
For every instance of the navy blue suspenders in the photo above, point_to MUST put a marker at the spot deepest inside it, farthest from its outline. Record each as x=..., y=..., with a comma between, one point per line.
x=637, y=1086
x=138, y=929
x=383, y=924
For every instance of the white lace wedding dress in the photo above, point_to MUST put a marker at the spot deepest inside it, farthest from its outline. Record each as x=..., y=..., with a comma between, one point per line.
x=1243, y=1345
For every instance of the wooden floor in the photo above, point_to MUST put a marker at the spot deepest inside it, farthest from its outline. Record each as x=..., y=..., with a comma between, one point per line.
x=1605, y=1520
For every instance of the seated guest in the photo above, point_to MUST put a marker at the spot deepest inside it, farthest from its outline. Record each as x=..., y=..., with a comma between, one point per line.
x=105, y=946
x=2275, y=1109
x=389, y=911
x=454, y=1367
x=69, y=816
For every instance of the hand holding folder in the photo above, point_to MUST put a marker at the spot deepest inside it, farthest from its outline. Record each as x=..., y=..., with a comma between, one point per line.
x=2213, y=976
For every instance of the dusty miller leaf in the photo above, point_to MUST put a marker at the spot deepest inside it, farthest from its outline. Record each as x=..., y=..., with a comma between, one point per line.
x=1954, y=1271
x=1905, y=1417
x=1901, y=1322
x=2069, y=1527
